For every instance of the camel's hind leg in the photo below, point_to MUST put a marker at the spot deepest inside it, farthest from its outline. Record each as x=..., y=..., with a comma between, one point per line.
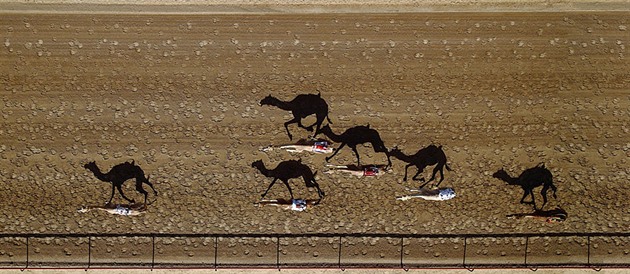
x=286, y=183
x=119, y=187
x=543, y=192
x=292, y=121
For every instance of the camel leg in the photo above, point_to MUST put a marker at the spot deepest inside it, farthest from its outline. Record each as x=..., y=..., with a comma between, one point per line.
x=525, y=193
x=146, y=181
x=269, y=187
x=415, y=177
x=112, y=196
x=554, y=190
x=441, y=176
x=286, y=183
x=435, y=170
x=356, y=152
x=119, y=187
x=293, y=121
x=313, y=183
x=141, y=190
x=406, y=167
x=336, y=151
x=543, y=192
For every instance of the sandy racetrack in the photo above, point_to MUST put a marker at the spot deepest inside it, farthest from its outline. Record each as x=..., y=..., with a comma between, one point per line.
x=179, y=95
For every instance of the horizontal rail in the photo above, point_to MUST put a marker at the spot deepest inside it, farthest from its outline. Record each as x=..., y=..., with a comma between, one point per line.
x=341, y=263
x=324, y=235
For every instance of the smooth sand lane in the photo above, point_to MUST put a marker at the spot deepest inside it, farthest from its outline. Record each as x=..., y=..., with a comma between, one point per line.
x=179, y=94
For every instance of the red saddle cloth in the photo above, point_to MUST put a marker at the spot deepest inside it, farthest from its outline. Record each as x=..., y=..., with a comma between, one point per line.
x=370, y=171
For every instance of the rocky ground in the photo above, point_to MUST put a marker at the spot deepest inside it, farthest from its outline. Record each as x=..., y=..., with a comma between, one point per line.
x=179, y=94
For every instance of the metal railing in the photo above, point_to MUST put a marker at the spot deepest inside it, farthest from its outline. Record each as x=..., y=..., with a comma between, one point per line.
x=323, y=250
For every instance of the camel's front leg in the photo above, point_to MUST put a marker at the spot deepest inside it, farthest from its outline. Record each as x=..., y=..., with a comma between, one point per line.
x=418, y=173
x=286, y=126
x=269, y=187
x=406, y=167
x=336, y=151
x=119, y=187
x=112, y=196
x=356, y=152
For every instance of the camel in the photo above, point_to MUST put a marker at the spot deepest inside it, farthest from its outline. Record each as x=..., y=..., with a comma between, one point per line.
x=293, y=204
x=118, y=209
x=530, y=179
x=288, y=170
x=319, y=146
x=302, y=106
x=436, y=194
x=355, y=136
x=118, y=175
x=430, y=155
x=359, y=171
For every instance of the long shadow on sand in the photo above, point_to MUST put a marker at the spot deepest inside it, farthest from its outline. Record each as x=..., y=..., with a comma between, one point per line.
x=288, y=170
x=301, y=106
x=528, y=180
x=119, y=174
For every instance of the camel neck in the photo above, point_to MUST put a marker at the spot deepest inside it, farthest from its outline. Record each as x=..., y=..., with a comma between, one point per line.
x=263, y=170
x=100, y=175
x=333, y=137
x=280, y=104
x=401, y=156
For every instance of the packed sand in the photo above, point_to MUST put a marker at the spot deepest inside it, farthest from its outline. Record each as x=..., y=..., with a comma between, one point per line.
x=179, y=94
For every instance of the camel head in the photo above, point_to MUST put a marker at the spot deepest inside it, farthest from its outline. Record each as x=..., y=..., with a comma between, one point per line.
x=90, y=166
x=267, y=100
x=395, y=151
x=325, y=130
x=502, y=175
x=258, y=164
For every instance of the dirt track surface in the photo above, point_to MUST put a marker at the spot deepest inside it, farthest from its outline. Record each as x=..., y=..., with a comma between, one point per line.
x=179, y=95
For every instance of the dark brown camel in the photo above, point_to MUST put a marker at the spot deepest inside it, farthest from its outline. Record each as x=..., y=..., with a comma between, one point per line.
x=428, y=156
x=302, y=106
x=288, y=170
x=355, y=136
x=119, y=174
x=530, y=179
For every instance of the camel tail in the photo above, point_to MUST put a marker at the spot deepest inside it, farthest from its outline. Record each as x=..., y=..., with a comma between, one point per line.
x=328, y=118
x=447, y=167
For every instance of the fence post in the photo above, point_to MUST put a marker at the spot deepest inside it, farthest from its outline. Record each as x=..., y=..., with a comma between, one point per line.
x=216, y=248
x=465, y=247
x=339, y=261
x=402, y=251
x=27, y=260
x=278, y=252
x=588, y=254
x=152, y=252
x=89, y=252
x=526, y=247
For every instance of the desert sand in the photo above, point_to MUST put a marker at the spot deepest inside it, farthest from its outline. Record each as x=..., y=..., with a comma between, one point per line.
x=179, y=94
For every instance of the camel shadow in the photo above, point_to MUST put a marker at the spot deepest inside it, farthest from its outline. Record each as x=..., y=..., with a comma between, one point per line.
x=355, y=136
x=428, y=156
x=551, y=216
x=528, y=180
x=302, y=106
x=287, y=170
x=117, y=176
